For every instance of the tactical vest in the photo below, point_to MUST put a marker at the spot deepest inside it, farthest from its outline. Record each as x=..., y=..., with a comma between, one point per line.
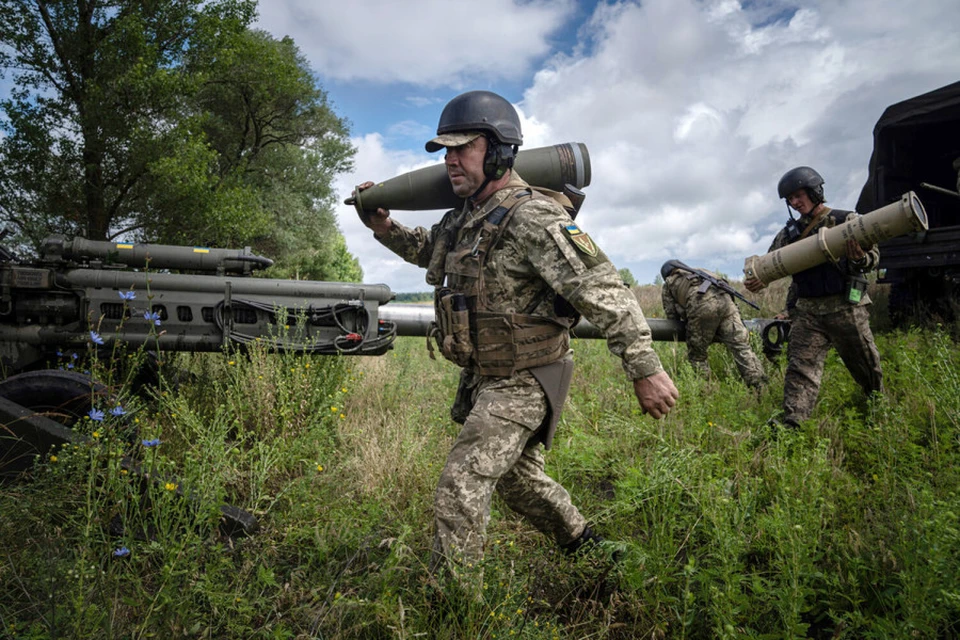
x=466, y=330
x=826, y=279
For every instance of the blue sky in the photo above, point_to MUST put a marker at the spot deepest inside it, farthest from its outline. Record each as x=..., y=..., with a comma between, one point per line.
x=691, y=109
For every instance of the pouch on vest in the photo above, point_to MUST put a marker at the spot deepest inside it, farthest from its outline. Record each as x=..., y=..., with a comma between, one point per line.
x=453, y=324
x=856, y=287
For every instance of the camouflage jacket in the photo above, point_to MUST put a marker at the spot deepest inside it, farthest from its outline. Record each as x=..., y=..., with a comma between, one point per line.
x=826, y=304
x=679, y=291
x=541, y=253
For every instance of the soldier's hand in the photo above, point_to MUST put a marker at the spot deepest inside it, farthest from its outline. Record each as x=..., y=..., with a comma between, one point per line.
x=754, y=285
x=854, y=251
x=656, y=394
x=378, y=221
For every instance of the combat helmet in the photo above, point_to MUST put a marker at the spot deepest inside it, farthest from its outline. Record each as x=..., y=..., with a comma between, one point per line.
x=669, y=267
x=481, y=112
x=802, y=178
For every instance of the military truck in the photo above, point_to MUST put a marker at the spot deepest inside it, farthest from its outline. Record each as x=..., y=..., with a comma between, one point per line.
x=916, y=147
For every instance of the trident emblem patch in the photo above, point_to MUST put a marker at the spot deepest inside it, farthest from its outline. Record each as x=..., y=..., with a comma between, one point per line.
x=581, y=240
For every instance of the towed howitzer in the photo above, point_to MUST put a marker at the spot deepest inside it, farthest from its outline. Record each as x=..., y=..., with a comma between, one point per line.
x=77, y=286
x=414, y=320
x=80, y=293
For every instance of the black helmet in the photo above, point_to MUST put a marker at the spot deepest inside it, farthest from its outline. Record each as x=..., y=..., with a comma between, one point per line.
x=802, y=178
x=669, y=267
x=482, y=111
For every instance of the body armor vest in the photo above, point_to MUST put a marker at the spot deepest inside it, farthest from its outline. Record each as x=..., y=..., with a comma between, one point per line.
x=466, y=330
x=826, y=279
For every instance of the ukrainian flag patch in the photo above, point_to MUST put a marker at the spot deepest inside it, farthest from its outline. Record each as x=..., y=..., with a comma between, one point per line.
x=581, y=240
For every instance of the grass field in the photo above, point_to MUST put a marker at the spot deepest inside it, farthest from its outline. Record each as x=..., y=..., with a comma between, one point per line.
x=847, y=528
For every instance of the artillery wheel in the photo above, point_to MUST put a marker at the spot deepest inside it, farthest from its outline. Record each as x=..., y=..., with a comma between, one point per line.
x=64, y=396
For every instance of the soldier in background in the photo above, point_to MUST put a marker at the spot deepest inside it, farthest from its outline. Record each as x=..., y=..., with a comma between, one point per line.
x=510, y=271
x=710, y=315
x=827, y=304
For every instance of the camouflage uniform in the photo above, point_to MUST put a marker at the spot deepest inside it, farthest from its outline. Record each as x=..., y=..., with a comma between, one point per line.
x=820, y=321
x=711, y=316
x=498, y=448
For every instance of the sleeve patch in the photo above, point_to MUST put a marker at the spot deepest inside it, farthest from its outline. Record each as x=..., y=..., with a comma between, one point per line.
x=581, y=240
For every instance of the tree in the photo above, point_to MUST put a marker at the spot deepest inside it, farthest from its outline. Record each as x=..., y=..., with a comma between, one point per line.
x=166, y=121
x=627, y=277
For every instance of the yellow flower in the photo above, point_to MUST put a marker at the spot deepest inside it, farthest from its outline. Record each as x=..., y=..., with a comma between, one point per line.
x=342, y=416
x=710, y=424
x=232, y=362
x=344, y=389
x=96, y=434
x=123, y=472
x=170, y=486
x=319, y=467
x=53, y=458
x=334, y=409
x=306, y=366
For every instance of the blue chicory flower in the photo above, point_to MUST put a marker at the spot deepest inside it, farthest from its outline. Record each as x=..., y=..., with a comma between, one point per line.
x=69, y=365
x=122, y=552
x=150, y=443
x=152, y=316
x=127, y=295
x=95, y=414
x=95, y=337
x=74, y=355
x=118, y=411
x=59, y=353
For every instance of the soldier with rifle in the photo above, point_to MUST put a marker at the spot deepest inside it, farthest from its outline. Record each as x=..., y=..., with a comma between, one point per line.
x=511, y=270
x=705, y=303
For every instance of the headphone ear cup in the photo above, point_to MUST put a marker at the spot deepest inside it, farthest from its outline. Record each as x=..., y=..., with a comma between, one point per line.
x=499, y=158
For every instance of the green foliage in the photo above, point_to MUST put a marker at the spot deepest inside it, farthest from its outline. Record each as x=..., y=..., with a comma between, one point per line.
x=845, y=528
x=168, y=121
x=627, y=277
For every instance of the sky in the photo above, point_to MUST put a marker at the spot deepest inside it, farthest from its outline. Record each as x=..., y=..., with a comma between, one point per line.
x=691, y=110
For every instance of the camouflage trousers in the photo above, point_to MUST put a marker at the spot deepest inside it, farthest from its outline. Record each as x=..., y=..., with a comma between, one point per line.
x=811, y=336
x=713, y=317
x=496, y=451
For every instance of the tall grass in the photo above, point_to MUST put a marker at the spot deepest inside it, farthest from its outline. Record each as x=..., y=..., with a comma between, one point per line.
x=846, y=528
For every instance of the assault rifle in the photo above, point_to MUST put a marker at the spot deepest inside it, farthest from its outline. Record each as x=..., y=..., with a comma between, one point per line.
x=719, y=284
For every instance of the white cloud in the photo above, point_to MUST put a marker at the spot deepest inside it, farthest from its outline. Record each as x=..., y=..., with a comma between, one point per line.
x=693, y=110
x=428, y=42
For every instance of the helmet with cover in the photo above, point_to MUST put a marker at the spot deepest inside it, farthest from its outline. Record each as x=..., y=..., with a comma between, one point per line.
x=476, y=113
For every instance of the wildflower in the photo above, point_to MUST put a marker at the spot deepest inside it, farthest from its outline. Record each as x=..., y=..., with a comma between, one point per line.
x=118, y=411
x=53, y=458
x=95, y=338
x=342, y=416
x=343, y=389
x=150, y=443
x=152, y=316
x=232, y=362
x=96, y=434
x=334, y=409
x=170, y=486
x=319, y=467
x=127, y=295
x=59, y=353
x=122, y=552
x=69, y=365
x=74, y=355
x=95, y=414
x=123, y=472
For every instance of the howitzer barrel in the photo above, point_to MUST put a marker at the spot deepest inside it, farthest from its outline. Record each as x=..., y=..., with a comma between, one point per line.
x=414, y=320
x=429, y=188
x=154, y=256
x=896, y=219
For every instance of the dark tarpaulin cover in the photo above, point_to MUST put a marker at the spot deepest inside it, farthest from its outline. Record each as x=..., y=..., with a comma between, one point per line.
x=913, y=137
